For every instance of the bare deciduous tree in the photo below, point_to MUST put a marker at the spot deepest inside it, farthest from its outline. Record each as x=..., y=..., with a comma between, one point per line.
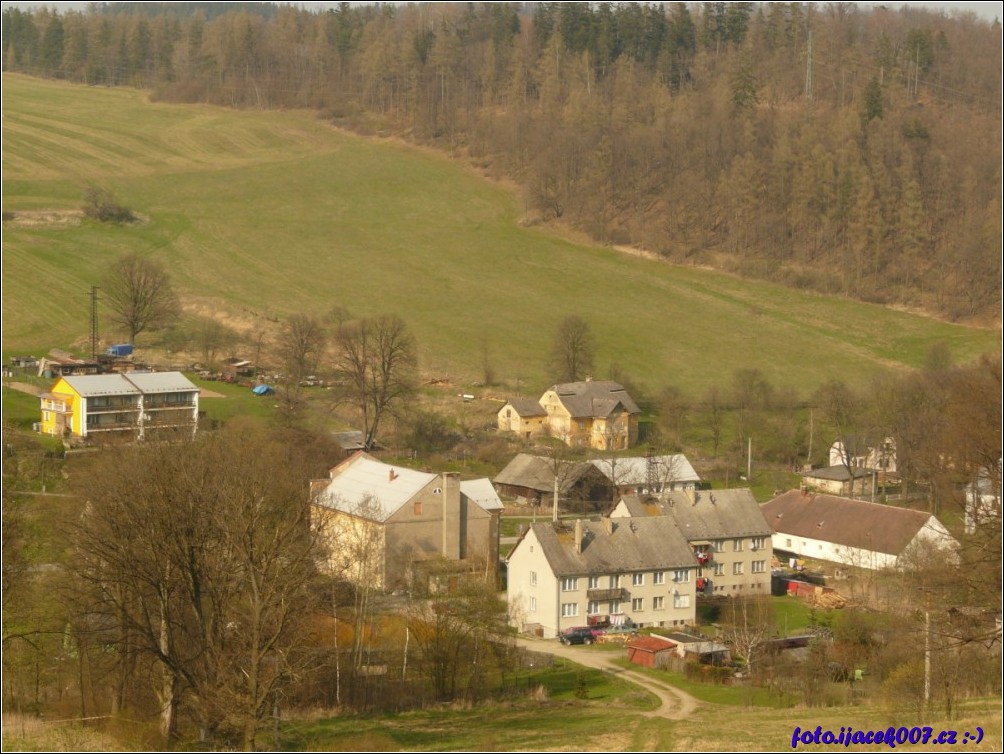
x=378, y=360
x=301, y=345
x=138, y=291
x=203, y=554
x=573, y=351
x=746, y=627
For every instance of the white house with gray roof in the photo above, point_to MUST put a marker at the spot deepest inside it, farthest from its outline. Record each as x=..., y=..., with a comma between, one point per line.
x=564, y=574
x=727, y=530
x=389, y=526
x=648, y=475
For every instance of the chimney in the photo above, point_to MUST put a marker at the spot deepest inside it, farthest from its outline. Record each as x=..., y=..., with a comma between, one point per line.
x=391, y=475
x=453, y=539
x=578, y=535
x=608, y=525
x=691, y=495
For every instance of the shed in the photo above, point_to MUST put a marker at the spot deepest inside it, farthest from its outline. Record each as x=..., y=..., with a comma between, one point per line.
x=651, y=651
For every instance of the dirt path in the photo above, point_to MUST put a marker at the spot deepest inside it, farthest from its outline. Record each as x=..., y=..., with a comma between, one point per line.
x=24, y=387
x=675, y=703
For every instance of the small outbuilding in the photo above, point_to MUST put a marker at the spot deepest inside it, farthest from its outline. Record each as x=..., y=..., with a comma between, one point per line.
x=651, y=651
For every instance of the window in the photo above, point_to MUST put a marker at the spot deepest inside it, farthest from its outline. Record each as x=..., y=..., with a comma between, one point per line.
x=637, y=604
x=787, y=543
x=569, y=584
x=659, y=577
x=737, y=545
x=569, y=609
x=681, y=575
x=533, y=578
x=593, y=608
x=681, y=600
x=719, y=545
x=737, y=569
x=658, y=603
x=418, y=507
x=615, y=607
x=533, y=604
x=615, y=581
x=594, y=582
x=758, y=543
x=637, y=579
x=719, y=569
x=759, y=566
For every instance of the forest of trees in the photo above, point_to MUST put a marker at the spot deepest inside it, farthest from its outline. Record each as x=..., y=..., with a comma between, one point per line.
x=845, y=149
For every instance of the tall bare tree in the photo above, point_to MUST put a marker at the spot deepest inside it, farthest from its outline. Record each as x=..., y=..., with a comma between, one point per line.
x=301, y=345
x=203, y=556
x=377, y=358
x=573, y=351
x=746, y=626
x=138, y=291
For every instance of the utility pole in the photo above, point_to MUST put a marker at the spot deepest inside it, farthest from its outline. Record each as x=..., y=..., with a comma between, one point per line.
x=808, y=71
x=927, y=657
x=94, y=323
x=749, y=461
x=554, y=506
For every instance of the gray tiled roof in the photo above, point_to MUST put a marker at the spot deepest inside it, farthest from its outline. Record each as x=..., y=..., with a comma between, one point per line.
x=844, y=521
x=132, y=384
x=526, y=407
x=837, y=473
x=594, y=398
x=706, y=514
x=634, y=545
x=101, y=384
x=537, y=473
x=633, y=470
x=161, y=382
x=363, y=486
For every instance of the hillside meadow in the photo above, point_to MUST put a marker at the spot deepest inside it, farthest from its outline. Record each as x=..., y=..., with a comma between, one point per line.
x=260, y=215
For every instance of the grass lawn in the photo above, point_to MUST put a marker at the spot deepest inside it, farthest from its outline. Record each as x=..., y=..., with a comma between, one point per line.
x=537, y=720
x=262, y=215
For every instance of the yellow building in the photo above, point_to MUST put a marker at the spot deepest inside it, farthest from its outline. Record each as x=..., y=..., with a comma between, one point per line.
x=119, y=405
x=596, y=414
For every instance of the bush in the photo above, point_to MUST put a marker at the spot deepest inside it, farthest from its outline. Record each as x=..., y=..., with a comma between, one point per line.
x=100, y=205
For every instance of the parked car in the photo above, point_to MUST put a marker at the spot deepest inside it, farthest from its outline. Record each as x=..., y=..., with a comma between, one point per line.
x=578, y=635
x=627, y=626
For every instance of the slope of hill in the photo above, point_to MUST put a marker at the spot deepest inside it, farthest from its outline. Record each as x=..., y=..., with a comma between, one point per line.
x=262, y=215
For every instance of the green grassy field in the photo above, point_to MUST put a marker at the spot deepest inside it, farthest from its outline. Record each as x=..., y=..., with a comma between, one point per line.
x=259, y=215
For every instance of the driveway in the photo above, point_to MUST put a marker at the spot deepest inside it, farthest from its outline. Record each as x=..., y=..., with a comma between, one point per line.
x=675, y=703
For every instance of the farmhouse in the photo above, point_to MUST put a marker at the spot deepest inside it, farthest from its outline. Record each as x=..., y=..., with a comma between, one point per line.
x=839, y=480
x=390, y=527
x=726, y=529
x=560, y=575
x=120, y=406
x=861, y=453
x=592, y=414
x=983, y=502
x=852, y=532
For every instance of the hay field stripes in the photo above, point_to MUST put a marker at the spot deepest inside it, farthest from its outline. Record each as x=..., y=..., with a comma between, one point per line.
x=278, y=213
